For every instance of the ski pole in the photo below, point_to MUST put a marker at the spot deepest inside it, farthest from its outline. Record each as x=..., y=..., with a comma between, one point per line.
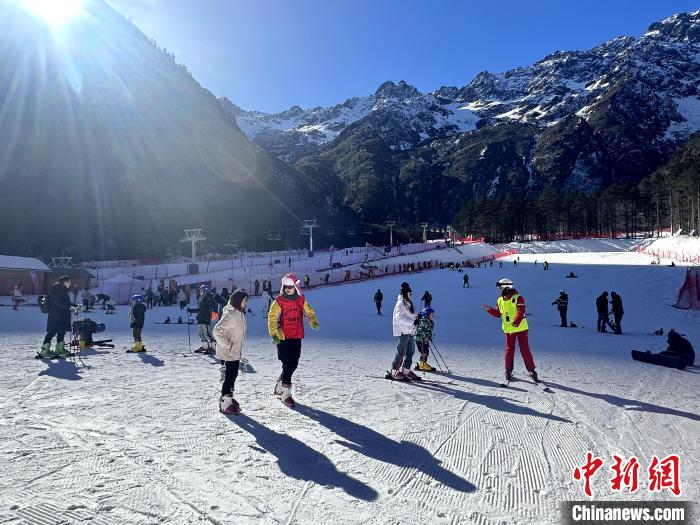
x=440, y=355
x=437, y=361
x=189, y=337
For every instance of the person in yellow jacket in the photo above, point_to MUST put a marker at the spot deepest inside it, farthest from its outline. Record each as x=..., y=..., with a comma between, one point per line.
x=285, y=324
x=510, y=307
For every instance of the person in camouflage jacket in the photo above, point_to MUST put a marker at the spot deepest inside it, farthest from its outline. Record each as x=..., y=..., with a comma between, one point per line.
x=424, y=334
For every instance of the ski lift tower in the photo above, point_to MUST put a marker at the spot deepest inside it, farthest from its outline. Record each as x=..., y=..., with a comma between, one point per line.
x=391, y=225
x=450, y=232
x=193, y=236
x=424, y=225
x=308, y=227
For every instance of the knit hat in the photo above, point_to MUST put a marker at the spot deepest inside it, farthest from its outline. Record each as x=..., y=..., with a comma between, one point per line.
x=405, y=288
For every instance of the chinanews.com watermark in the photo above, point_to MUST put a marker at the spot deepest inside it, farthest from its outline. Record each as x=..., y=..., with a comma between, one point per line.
x=626, y=512
x=662, y=476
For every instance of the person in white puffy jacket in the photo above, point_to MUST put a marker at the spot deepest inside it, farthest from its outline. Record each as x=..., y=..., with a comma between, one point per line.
x=230, y=334
x=403, y=324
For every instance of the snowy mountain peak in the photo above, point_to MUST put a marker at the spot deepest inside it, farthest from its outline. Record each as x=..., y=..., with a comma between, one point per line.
x=684, y=27
x=402, y=90
x=660, y=65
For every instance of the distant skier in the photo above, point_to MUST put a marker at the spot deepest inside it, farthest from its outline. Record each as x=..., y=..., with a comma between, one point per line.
x=465, y=281
x=230, y=334
x=562, y=303
x=225, y=296
x=85, y=295
x=601, y=305
x=16, y=296
x=424, y=334
x=182, y=299
x=58, y=322
x=510, y=307
x=617, y=310
x=256, y=285
x=427, y=299
x=403, y=326
x=285, y=324
x=378, y=298
x=204, y=310
x=545, y=265
x=307, y=280
x=150, y=298
x=104, y=298
x=571, y=275
x=137, y=318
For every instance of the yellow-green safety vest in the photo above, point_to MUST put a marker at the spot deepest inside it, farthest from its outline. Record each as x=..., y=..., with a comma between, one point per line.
x=508, y=309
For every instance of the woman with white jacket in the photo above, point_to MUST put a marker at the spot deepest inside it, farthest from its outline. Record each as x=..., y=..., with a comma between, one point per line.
x=403, y=324
x=230, y=334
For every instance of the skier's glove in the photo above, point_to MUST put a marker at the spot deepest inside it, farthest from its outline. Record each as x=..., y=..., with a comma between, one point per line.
x=415, y=323
x=315, y=326
x=275, y=340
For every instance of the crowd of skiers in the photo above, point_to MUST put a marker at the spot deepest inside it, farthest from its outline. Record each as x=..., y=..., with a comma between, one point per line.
x=285, y=322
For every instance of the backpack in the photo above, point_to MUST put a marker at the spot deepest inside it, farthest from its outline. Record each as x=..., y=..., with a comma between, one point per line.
x=43, y=301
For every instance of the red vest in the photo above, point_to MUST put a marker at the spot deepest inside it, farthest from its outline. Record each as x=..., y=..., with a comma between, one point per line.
x=292, y=316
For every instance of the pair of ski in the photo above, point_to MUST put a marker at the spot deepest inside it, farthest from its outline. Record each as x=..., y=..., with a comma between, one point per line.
x=419, y=380
x=538, y=383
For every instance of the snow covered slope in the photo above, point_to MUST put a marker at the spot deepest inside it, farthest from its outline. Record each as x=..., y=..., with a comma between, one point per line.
x=137, y=439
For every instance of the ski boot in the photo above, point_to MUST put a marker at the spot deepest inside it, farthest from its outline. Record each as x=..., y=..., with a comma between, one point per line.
x=61, y=350
x=228, y=405
x=201, y=350
x=138, y=347
x=410, y=375
x=45, y=352
x=287, y=398
x=278, y=387
x=424, y=366
x=397, y=375
x=533, y=375
x=509, y=375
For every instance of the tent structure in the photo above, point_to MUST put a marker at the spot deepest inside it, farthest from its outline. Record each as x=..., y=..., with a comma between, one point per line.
x=120, y=288
x=689, y=294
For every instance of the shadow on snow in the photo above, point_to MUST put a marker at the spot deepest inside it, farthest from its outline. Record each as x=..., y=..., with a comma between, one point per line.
x=498, y=403
x=404, y=454
x=629, y=404
x=300, y=461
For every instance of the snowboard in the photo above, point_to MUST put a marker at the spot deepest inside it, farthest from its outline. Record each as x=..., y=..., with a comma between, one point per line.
x=657, y=359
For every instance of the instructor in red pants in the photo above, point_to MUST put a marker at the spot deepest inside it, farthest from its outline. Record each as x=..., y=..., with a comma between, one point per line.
x=510, y=307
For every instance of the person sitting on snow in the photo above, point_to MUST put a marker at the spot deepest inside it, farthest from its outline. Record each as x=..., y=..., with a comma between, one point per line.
x=679, y=346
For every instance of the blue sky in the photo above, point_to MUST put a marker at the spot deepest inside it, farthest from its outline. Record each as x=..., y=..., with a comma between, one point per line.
x=272, y=54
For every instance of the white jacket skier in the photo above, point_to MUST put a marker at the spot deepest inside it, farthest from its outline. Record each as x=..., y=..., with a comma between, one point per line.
x=230, y=333
x=403, y=325
x=402, y=321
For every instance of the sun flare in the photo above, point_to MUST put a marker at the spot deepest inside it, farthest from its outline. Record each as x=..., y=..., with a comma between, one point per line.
x=55, y=13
